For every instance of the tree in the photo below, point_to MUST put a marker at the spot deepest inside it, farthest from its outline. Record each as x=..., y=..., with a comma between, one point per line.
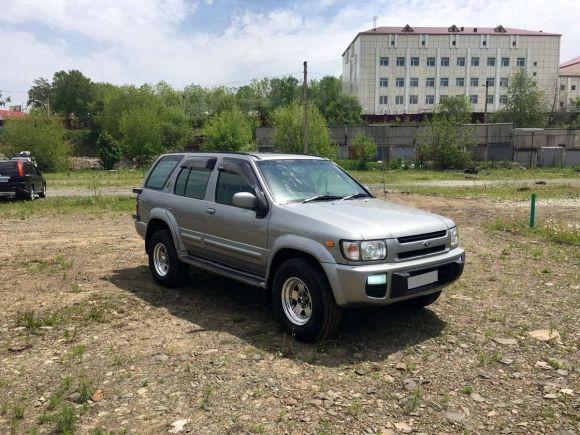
x=289, y=131
x=40, y=134
x=109, y=150
x=3, y=100
x=40, y=94
x=451, y=138
x=345, y=110
x=72, y=93
x=284, y=91
x=364, y=149
x=230, y=130
x=525, y=105
x=140, y=130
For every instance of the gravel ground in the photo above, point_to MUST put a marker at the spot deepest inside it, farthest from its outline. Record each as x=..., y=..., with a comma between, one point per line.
x=87, y=340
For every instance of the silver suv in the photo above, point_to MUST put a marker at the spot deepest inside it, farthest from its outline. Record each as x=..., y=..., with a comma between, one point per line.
x=298, y=226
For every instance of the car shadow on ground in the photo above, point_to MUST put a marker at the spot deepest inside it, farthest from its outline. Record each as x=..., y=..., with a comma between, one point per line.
x=213, y=303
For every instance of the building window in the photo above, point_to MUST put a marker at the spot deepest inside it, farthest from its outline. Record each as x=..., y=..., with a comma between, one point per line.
x=521, y=61
x=562, y=87
x=430, y=99
x=444, y=61
x=459, y=81
x=484, y=43
x=400, y=61
x=474, y=81
x=491, y=61
x=413, y=99
x=460, y=61
x=414, y=61
x=399, y=99
x=505, y=61
x=430, y=82
x=383, y=82
x=489, y=99
x=473, y=99
x=502, y=99
x=535, y=63
x=444, y=81
x=561, y=104
x=503, y=82
x=490, y=81
x=400, y=82
x=384, y=61
x=383, y=99
x=475, y=61
x=573, y=87
x=535, y=74
x=414, y=82
x=393, y=43
x=430, y=61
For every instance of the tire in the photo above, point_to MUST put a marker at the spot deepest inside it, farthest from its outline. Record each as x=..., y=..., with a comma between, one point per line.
x=42, y=193
x=303, y=301
x=30, y=194
x=164, y=265
x=422, y=301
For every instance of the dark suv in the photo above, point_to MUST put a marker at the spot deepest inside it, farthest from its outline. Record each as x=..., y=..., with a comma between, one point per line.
x=21, y=179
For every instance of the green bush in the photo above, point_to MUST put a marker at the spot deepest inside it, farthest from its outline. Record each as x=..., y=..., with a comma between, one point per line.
x=364, y=149
x=230, y=131
x=40, y=134
x=109, y=150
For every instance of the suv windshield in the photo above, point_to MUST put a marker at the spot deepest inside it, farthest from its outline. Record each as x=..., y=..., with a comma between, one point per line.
x=293, y=180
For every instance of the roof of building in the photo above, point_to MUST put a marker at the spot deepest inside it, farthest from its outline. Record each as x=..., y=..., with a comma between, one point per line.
x=498, y=30
x=570, y=62
x=11, y=114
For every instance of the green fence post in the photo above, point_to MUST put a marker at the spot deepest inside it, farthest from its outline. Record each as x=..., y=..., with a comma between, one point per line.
x=533, y=210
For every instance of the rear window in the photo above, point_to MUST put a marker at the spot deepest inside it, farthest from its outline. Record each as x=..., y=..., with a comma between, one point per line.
x=161, y=172
x=8, y=169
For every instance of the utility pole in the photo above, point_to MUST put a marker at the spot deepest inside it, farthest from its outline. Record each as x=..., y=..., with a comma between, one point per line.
x=305, y=109
x=48, y=106
x=485, y=107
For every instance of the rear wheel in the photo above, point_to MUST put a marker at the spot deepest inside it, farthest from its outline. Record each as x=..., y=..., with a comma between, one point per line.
x=30, y=193
x=164, y=264
x=303, y=301
x=42, y=193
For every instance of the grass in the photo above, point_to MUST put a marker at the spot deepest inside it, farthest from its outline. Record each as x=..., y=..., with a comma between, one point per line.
x=558, y=232
x=205, y=399
x=90, y=179
x=58, y=206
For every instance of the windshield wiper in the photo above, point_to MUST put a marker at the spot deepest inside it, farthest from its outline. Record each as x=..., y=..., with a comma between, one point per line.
x=356, y=195
x=321, y=198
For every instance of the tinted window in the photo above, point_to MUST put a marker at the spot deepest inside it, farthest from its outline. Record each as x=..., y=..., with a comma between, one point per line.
x=8, y=169
x=29, y=169
x=192, y=182
x=229, y=183
x=162, y=171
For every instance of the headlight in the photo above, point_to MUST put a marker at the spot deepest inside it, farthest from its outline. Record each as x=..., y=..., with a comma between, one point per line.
x=454, y=237
x=368, y=250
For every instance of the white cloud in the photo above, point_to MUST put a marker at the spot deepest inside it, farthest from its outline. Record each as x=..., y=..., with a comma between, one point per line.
x=138, y=41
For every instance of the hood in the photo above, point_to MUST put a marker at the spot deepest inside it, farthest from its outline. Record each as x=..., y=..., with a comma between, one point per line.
x=373, y=218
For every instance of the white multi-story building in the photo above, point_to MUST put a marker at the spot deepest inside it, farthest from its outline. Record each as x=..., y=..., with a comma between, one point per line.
x=569, y=82
x=406, y=70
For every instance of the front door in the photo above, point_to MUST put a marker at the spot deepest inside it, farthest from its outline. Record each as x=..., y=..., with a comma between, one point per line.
x=236, y=236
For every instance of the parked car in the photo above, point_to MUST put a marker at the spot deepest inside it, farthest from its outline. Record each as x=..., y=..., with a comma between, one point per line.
x=21, y=179
x=298, y=226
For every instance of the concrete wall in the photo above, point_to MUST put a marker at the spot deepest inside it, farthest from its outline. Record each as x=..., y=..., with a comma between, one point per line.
x=535, y=143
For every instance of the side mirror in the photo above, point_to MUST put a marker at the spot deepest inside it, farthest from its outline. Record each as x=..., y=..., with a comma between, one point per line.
x=245, y=200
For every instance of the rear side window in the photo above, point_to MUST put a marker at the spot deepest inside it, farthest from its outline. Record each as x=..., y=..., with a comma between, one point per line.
x=29, y=169
x=161, y=172
x=192, y=182
x=8, y=169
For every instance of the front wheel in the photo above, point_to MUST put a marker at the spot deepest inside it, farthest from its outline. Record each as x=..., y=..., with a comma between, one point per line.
x=303, y=301
x=164, y=265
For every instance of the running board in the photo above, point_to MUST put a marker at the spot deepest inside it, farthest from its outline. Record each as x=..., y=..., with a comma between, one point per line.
x=227, y=271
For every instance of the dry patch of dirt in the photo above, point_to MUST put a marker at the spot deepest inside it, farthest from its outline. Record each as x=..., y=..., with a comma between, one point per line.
x=89, y=342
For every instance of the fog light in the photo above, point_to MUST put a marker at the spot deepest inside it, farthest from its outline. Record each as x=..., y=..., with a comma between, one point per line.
x=377, y=279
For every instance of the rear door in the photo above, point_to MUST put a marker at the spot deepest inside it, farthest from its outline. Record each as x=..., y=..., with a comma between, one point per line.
x=8, y=169
x=236, y=236
x=30, y=171
x=189, y=205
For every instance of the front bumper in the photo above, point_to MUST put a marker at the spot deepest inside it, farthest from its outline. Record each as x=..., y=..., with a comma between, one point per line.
x=349, y=283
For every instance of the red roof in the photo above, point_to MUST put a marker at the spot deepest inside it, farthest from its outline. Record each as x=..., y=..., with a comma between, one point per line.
x=466, y=30
x=10, y=114
x=571, y=62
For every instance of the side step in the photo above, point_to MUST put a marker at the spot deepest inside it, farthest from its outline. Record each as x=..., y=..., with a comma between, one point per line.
x=227, y=271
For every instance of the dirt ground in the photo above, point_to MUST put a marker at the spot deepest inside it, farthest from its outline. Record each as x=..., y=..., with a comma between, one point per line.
x=87, y=340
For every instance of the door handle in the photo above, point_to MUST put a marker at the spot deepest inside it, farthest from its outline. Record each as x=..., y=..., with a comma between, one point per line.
x=210, y=211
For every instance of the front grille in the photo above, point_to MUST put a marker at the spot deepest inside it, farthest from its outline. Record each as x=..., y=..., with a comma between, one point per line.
x=419, y=252
x=419, y=237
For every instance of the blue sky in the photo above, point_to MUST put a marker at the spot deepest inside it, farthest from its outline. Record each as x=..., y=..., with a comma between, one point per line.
x=228, y=41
